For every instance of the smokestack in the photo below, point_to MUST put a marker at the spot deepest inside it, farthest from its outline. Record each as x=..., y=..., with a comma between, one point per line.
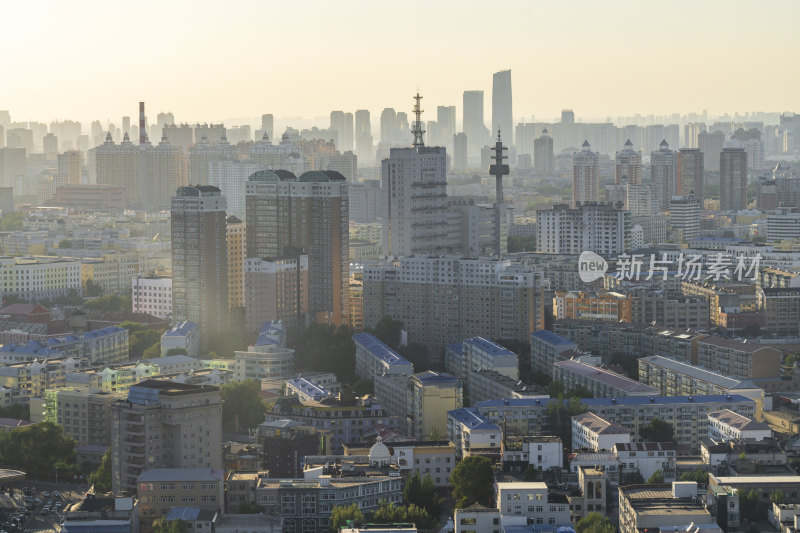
x=142, y=133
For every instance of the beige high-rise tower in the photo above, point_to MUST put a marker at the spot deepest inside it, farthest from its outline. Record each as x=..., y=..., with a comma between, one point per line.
x=585, y=181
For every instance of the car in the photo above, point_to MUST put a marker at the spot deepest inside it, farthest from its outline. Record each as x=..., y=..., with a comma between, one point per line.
x=56, y=493
x=45, y=494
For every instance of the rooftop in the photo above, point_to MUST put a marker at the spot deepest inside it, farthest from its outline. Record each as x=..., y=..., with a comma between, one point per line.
x=380, y=350
x=179, y=474
x=470, y=417
x=599, y=425
x=181, y=329
x=696, y=372
x=606, y=377
x=488, y=346
x=429, y=377
x=726, y=416
x=645, y=446
x=552, y=338
x=599, y=402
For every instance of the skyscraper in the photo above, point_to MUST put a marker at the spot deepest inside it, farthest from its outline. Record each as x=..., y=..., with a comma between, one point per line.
x=268, y=125
x=236, y=233
x=363, y=133
x=711, y=146
x=200, y=259
x=543, y=156
x=473, y=124
x=585, y=182
x=732, y=179
x=389, y=129
x=343, y=124
x=663, y=168
x=567, y=116
x=70, y=166
x=162, y=170
x=446, y=124
x=460, y=151
x=288, y=217
x=118, y=164
x=628, y=165
x=502, y=116
x=690, y=178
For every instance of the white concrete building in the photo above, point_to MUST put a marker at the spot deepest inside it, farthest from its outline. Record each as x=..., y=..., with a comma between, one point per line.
x=684, y=215
x=185, y=335
x=373, y=358
x=541, y=452
x=471, y=433
x=726, y=425
x=32, y=279
x=646, y=458
x=531, y=499
x=590, y=431
x=592, y=226
x=477, y=518
x=152, y=295
x=784, y=226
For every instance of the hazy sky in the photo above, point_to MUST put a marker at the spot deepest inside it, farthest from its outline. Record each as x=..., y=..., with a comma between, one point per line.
x=208, y=60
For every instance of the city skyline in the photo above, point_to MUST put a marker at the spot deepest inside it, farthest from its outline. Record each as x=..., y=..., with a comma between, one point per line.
x=196, y=65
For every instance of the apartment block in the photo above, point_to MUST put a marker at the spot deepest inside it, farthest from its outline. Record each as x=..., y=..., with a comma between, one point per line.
x=152, y=294
x=739, y=359
x=161, y=489
x=592, y=432
x=726, y=425
x=533, y=501
x=373, y=358
x=645, y=458
x=164, y=424
x=275, y=290
x=84, y=416
x=471, y=433
x=592, y=226
x=644, y=507
x=431, y=395
x=547, y=349
x=601, y=382
x=184, y=335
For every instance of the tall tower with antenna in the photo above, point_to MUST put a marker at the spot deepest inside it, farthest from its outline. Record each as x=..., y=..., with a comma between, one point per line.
x=417, y=128
x=498, y=170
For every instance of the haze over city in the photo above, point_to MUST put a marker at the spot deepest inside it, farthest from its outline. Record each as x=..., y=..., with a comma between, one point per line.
x=204, y=61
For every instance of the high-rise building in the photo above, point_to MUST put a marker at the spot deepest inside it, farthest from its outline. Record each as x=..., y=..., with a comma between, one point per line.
x=163, y=424
x=472, y=120
x=628, y=165
x=543, y=156
x=596, y=227
x=200, y=259
x=202, y=154
x=733, y=179
x=237, y=252
x=161, y=171
x=502, y=116
x=586, y=170
x=711, y=146
x=684, y=215
x=389, y=129
x=446, y=124
x=414, y=189
x=690, y=133
x=690, y=177
x=567, y=116
x=363, y=133
x=342, y=123
x=663, y=168
x=70, y=166
x=275, y=290
x=460, y=151
x=268, y=125
x=50, y=144
x=288, y=217
x=118, y=165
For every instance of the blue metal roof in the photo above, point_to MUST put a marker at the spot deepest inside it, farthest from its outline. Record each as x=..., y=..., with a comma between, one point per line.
x=269, y=331
x=183, y=513
x=599, y=402
x=182, y=329
x=488, y=346
x=31, y=347
x=470, y=417
x=102, y=332
x=456, y=347
x=550, y=337
x=309, y=387
x=379, y=349
x=431, y=377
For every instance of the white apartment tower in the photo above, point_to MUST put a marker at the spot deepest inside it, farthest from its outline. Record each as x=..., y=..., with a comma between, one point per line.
x=596, y=227
x=628, y=165
x=586, y=169
x=663, y=165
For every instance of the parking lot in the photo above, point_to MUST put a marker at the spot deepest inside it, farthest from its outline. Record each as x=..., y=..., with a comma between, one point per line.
x=28, y=508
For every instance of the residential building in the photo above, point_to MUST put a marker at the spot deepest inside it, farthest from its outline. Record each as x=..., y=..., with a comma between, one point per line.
x=414, y=203
x=430, y=396
x=287, y=215
x=200, y=259
x=643, y=507
x=101, y=346
x=473, y=120
x=595, y=226
x=645, y=458
x=684, y=215
x=287, y=443
x=533, y=501
x=726, y=425
x=547, y=349
x=711, y=144
x=32, y=279
x=663, y=175
x=373, y=358
x=628, y=168
x=472, y=434
x=733, y=179
x=586, y=178
x=184, y=335
x=579, y=305
x=593, y=432
x=739, y=359
x=690, y=177
x=502, y=117
x=161, y=489
x=780, y=307
x=544, y=161
x=268, y=357
x=477, y=518
x=152, y=294
x=147, y=433
x=275, y=290
x=237, y=253
x=764, y=485
x=541, y=452
x=84, y=416
x=592, y=493
x=601, y=382
x=445, y=299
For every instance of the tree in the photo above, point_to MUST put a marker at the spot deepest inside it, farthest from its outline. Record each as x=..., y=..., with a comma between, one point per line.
x=699, y=475
x=421, y=492
x=555, y=389
x=751, y=507
x=790, y=360
x=594, y=523
x=418, y=355
x=389, y=513
x=92, y=288
x=176, y=351
x=153, y=351
x=38, y=449
x=325, y=348
x=777, y=496
x=228, y=342
x=580, y=391
x=140, y=338
x=16, y=410
x=341, y=515
x=162, y=525
x=518, y=243
x=657, y=431
x=531, y=473
x=110, y=302
x=656, y=478
x=101, y=478
x=388, y=330
x=560, y=413
x=435, y=433
x=472, y=480
x=65, y=243
x=242, y=405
